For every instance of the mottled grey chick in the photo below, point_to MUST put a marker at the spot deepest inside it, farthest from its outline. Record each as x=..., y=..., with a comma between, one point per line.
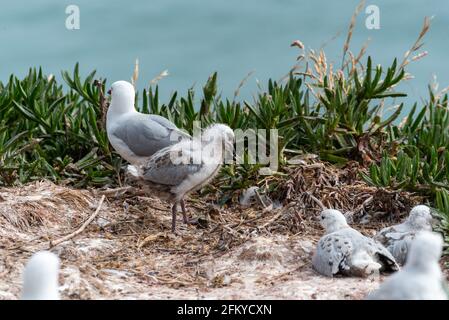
x=343, y=250
x=397, y=238
x=137, y=136
x=421, y=278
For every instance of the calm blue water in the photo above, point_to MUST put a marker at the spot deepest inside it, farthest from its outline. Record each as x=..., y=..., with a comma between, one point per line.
x=194, y=38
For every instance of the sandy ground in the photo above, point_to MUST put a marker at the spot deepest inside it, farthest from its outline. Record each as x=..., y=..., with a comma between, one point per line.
x=127, y=252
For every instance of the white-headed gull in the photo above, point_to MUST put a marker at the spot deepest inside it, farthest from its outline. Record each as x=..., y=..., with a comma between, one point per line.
x=134, y=135
x=343, y=250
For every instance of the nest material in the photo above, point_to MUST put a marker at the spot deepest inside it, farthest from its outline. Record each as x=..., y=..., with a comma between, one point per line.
x=320, y=184
x=128, y=250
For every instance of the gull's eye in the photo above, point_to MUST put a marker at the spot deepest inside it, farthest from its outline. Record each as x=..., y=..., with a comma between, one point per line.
x=322, y=217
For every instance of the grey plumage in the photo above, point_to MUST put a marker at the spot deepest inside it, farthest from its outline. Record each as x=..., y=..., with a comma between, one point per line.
x=332, y=255
x=162, y=170
x=421, y=277
x=145, y=134
x=343, y=250
x=397, y=238
x=175, y=171
x=134, y=135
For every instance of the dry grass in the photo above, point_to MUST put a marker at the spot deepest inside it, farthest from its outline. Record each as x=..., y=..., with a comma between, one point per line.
x=233, y=252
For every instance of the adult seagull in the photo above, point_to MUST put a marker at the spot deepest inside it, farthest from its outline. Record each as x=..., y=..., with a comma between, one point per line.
x=137, y=136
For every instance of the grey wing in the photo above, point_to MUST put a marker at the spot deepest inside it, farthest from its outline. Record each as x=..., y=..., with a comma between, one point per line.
x=382, y=235
x=163, y=121
x=391, y=233
x=171, y=127
x=332, y=254
x=399, y=248
x=372, y=247
x=397, y=240
x=161, y=169
x=144, y=136
x=384, y=256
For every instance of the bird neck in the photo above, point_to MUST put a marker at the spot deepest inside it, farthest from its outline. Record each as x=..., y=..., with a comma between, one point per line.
x=121, y=105
x=336, y=227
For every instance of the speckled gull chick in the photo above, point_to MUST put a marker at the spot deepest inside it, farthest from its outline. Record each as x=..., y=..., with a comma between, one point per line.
x=40, y=278
x=397, y=238
x=421, y=277
x=134, y=135
x=175, y=171
x=343, y=250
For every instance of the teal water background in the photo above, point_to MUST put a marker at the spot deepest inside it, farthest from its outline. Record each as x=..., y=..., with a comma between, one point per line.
x=192, y=39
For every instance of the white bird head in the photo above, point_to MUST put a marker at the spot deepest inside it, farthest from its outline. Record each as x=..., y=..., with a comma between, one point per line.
x=122, y=97
x=425, y=250
x=222, y=134
x=332, y=220
x=420, y=217
x=219, y=130
x=40, y=278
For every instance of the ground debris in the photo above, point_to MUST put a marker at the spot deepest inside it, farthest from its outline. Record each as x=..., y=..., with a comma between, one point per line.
x=128, y=251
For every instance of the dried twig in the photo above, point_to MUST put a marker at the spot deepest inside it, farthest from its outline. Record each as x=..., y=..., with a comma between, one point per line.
x=80, y=229
x=241, y=84
x=159, y=77
x=273, y=219
x=317, y=201
x=116, y=191
x=103, y=104
x=259, y=198
x=418, y=43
